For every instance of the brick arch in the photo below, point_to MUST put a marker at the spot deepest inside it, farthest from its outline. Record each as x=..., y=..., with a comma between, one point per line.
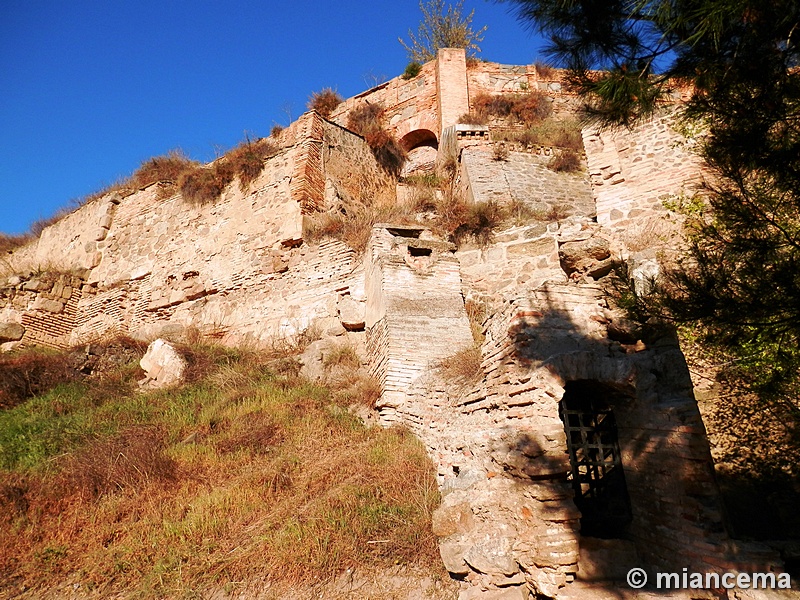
x=419, y=137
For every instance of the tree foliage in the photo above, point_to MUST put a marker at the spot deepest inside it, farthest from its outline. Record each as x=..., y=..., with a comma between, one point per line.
x=740, y=282
x=442, y=27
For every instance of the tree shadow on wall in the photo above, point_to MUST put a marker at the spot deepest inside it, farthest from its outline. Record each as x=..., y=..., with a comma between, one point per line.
x=637, y=455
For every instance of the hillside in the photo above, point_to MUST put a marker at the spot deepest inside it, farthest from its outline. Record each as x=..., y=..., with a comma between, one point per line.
x=448, y=255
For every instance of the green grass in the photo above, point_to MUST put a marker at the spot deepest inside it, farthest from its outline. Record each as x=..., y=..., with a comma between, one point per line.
x=279, y=480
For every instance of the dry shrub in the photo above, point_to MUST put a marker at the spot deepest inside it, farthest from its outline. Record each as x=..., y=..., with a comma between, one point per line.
x=30, y=373
x=545, y=71
x=557, y=212
x=167, y=168
x=8, y=243
x=479, y=223
x=499, y=152
x=566, y=161
x=353, y=225
x=205, y=185
x=247, y=159
x=367, y=121
x=473, y=118
x=276, y=130
x=463, y=367
x=324, y=101
x=563, y=134
x=131, y=459
x=530, y=107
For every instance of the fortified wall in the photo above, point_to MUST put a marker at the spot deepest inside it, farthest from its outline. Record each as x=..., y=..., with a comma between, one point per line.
x=574, y=453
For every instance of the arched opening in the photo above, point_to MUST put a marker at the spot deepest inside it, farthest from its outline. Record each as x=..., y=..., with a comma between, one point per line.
x=419, y=137
x=596, y=473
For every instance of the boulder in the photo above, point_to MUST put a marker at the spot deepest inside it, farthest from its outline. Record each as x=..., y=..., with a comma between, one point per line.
x=587, y=256
x=11, y=332
x=352, y=314
x=163, y=365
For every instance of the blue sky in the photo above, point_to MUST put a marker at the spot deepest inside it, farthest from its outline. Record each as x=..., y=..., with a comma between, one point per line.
x=91, y=88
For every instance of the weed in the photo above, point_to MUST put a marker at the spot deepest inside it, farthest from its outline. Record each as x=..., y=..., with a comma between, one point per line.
x=499, y=152
x=131, y=459
x=563, y=134
x=168, y=168
x=473, y=118
x=367, y=121
x=9, y=243
x=545, y=71
x=412, y=70
x=324, y=101
x=247, y=159
x=528, y=108
x=276, y=130
x=566, y=161
x=463, y=367
x=32, y=372
x=205, y=185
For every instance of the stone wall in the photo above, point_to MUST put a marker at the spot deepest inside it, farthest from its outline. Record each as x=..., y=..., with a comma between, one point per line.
x=524, y=177
x=236, y=267
x=634, y=171
x=415, y=314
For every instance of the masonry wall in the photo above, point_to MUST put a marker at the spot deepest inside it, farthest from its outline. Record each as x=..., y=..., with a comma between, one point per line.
x=236, y=268
x=415, y=313
x=410, y=104
x=634, y=171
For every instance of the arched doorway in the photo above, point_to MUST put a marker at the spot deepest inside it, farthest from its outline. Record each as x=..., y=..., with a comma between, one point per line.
x=421, y=147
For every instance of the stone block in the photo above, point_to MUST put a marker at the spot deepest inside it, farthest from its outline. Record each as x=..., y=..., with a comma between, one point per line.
x=450, y=519
x=492, y=556
x=352, y=314
x=53, y=306
x=452, y=553
x=532, y=248
x=163, y=365
x=11, y=332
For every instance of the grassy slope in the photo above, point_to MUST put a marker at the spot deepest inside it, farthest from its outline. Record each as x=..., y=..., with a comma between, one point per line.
x=99, y=486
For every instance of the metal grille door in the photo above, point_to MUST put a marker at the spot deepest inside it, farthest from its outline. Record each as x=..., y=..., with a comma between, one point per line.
x=596, y=467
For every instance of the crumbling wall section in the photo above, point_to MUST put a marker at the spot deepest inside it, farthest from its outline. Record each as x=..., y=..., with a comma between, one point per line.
x=415, y=313
x=634, y=171
x=410, y=104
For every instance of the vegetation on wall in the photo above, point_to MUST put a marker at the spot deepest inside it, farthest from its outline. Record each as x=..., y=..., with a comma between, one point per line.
x=442, y=27
x=245, y=473
x=412, y=70
x=367, y=121
x=324, y=101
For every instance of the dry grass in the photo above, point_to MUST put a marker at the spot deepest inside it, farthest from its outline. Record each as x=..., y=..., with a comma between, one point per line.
x=367, y=121
x=277, y=480
x=529, y=108
x=324, y=101
x=29, y=373
x=473, y=118
x=564, y=134
x=462, y=368
x=566, y=161
x=9, y=243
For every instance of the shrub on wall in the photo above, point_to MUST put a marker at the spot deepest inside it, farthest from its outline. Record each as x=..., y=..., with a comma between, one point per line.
x=367, y=121
x=206, y=184
x=528, y=108
x=412, y=70
x=324, y=101
x=247, y=159
x=566, y=161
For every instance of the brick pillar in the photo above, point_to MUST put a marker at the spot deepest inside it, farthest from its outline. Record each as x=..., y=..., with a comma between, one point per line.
x=451, y=86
